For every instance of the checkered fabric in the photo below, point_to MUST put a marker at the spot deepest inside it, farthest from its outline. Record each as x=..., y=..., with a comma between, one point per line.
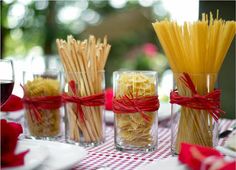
x=105, y=155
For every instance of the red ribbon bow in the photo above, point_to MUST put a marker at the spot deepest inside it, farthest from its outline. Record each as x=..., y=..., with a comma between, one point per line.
x=209, y=102
x=126, y=105
x=41, y=103
x=93, y=100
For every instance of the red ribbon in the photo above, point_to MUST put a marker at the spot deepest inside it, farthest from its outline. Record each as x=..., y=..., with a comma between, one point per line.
x=93, y=100
x=126, y=105
x=198, y=157
x=209, y=102
x=41, y=103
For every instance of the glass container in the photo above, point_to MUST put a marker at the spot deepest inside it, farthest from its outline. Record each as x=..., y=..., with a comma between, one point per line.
x=43, y=105
x=133, y=132
x=190, y=125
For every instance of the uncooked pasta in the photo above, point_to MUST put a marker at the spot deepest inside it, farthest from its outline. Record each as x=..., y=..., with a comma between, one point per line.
x=199, y=49
x=84, y=63
x=49, y=125
x=132, y=128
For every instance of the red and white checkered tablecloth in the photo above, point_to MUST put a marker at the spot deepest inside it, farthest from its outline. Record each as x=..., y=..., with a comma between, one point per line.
x=105, y=155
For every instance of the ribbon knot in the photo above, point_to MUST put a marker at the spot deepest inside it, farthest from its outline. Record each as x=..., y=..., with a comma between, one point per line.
x=93, y=100
x=35, y=104
x=209, y=102
x=197, y=96
x=126, y=105
x=77, y=100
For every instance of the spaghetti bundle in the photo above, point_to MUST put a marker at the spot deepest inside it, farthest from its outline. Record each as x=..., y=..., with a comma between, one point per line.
x=198, y=49
x=84, y=63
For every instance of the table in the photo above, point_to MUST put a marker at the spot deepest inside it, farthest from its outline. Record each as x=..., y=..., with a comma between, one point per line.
x=105, y=155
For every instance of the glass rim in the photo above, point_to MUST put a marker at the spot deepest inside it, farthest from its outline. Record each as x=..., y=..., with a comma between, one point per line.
x=53, y=71
x=135, y=71
x=74, y=72
x=6, y=60
x=195, y=74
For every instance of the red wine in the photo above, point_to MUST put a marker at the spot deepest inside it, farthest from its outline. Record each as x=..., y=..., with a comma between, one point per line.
x=6, y=89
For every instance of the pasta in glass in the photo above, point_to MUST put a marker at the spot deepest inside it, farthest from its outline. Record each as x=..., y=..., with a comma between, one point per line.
x=132, y=131
x=41, y=122
x=197, y=49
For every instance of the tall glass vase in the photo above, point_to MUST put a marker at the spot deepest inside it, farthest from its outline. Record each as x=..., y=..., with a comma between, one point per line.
x=194, y=126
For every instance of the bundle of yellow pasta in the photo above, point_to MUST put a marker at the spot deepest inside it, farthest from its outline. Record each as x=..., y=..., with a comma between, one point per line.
x=49, y=126
x=199, y=49
x=132, y=128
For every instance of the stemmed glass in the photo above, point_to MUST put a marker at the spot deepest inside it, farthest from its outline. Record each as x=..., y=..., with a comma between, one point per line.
x=6, y=80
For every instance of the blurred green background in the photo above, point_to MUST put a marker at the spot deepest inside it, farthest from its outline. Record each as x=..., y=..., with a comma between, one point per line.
x=30, y=28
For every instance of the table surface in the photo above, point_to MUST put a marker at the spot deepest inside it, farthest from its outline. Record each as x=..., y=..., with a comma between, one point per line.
x=105, y=155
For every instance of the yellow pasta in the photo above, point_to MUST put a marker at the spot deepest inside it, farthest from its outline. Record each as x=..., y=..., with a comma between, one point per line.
x=198, y=49
x=49, y=126
x=132, y=128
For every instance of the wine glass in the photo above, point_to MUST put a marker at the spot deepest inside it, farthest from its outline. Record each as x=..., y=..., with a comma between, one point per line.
x=6, y=80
